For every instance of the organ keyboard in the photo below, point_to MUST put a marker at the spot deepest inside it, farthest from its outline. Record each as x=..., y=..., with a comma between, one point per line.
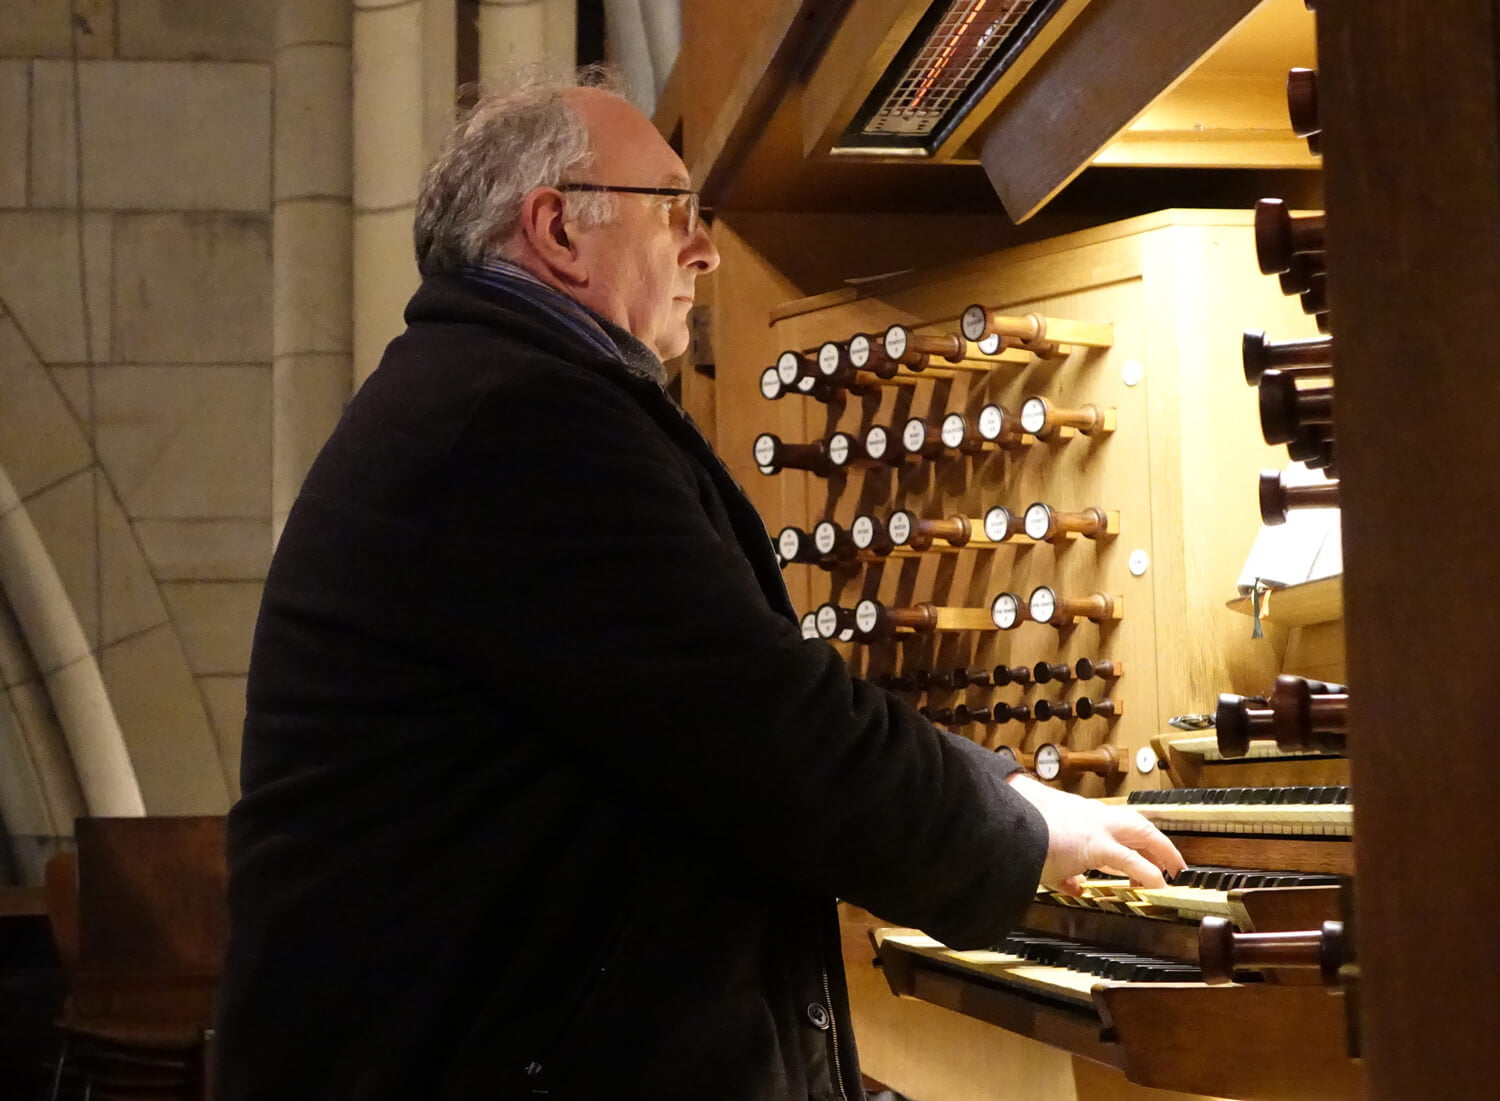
x=1289, y=812
x=1110, y=974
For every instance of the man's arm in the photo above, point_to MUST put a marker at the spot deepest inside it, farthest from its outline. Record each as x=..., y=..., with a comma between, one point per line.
x=575, y=544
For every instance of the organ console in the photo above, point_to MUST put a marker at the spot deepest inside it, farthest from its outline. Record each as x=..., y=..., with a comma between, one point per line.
x=1261, y=355
x=1046, y=525
x=1280, y=235
x=1034, y=331
x=1054, y=397
x=1045, y=420
x=1044, y=605
x=1277, y=498
x=772, y=456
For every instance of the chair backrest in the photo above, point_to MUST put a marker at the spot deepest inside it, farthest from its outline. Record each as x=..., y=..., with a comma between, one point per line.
x=151, y=895
x=61, y=881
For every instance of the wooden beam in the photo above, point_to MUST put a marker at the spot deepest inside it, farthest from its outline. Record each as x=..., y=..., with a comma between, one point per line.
x=1116, y=59
x=1411, y=103
x=793, y=32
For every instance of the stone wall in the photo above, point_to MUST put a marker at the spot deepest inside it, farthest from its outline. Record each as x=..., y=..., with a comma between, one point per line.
x=136, y=395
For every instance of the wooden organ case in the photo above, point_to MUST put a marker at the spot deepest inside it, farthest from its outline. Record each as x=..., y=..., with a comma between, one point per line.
x=1147, y=462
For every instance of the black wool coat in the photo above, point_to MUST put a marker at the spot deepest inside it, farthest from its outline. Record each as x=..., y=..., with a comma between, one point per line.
x=544, y=793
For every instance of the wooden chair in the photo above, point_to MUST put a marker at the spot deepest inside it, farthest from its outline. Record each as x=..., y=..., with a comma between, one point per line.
x=139, y=919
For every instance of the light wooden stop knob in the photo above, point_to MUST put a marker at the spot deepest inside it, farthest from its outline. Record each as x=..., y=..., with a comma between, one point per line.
x=1055, y=762
x=1046, y=605
x=1046, y=524
x=1033, y=330
x=1044, y=420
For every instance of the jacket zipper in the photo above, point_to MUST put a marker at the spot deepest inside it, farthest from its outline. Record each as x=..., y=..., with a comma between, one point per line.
x=833, y=1035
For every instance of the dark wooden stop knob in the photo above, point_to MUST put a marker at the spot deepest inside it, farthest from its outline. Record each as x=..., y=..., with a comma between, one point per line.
x=1261, y=355
x=1044, y=672
x=1011, y=674
x=1048, y=710
x=1302, y=103
x=1277, y=498
x=1222, y=951
x=1088, y=669
x=1089, y=708
x=1287, y=406
x=1281, y=235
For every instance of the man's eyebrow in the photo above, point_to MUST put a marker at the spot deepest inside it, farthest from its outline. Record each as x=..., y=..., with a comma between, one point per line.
x=675, y=179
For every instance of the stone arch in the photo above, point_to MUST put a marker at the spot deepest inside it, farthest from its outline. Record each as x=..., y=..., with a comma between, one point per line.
x=98, y=684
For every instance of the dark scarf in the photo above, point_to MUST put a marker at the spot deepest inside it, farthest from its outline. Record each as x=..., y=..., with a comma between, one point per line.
x=573, y=315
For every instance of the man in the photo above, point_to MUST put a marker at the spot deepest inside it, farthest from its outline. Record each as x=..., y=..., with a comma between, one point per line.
x=544, y=793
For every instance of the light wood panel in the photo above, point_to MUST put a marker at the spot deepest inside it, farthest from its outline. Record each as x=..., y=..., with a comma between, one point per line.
x=1181, y=470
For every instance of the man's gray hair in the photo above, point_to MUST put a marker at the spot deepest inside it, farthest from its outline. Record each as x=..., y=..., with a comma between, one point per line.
x=521, y=137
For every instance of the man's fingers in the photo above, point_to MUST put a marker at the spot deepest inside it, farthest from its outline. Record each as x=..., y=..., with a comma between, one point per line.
x=1111, y=856
x=1072, y=886
x=1146, y=839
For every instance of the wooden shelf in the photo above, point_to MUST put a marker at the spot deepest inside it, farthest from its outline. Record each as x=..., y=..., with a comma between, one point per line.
x=1320, y=601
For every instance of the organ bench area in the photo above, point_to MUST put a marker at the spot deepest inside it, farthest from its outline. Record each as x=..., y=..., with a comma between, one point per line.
x=1026, y=486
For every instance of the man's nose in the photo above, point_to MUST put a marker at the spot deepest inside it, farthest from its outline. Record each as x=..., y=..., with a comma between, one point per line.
x=700, y=252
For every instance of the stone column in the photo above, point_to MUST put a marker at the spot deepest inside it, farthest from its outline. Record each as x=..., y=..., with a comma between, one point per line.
x=516, y=33
x=403, y=102
x=312, y=251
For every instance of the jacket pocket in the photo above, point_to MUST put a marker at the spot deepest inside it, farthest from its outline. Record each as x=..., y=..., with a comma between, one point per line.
x=539, y=1070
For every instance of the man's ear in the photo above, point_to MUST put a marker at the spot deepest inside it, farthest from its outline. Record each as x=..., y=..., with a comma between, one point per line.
x=545, y=232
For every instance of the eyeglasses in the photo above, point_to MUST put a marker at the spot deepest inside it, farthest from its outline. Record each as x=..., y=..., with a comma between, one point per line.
x=686, y=200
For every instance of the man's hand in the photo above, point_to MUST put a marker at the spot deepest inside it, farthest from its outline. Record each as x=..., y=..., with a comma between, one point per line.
x=1084, y=834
